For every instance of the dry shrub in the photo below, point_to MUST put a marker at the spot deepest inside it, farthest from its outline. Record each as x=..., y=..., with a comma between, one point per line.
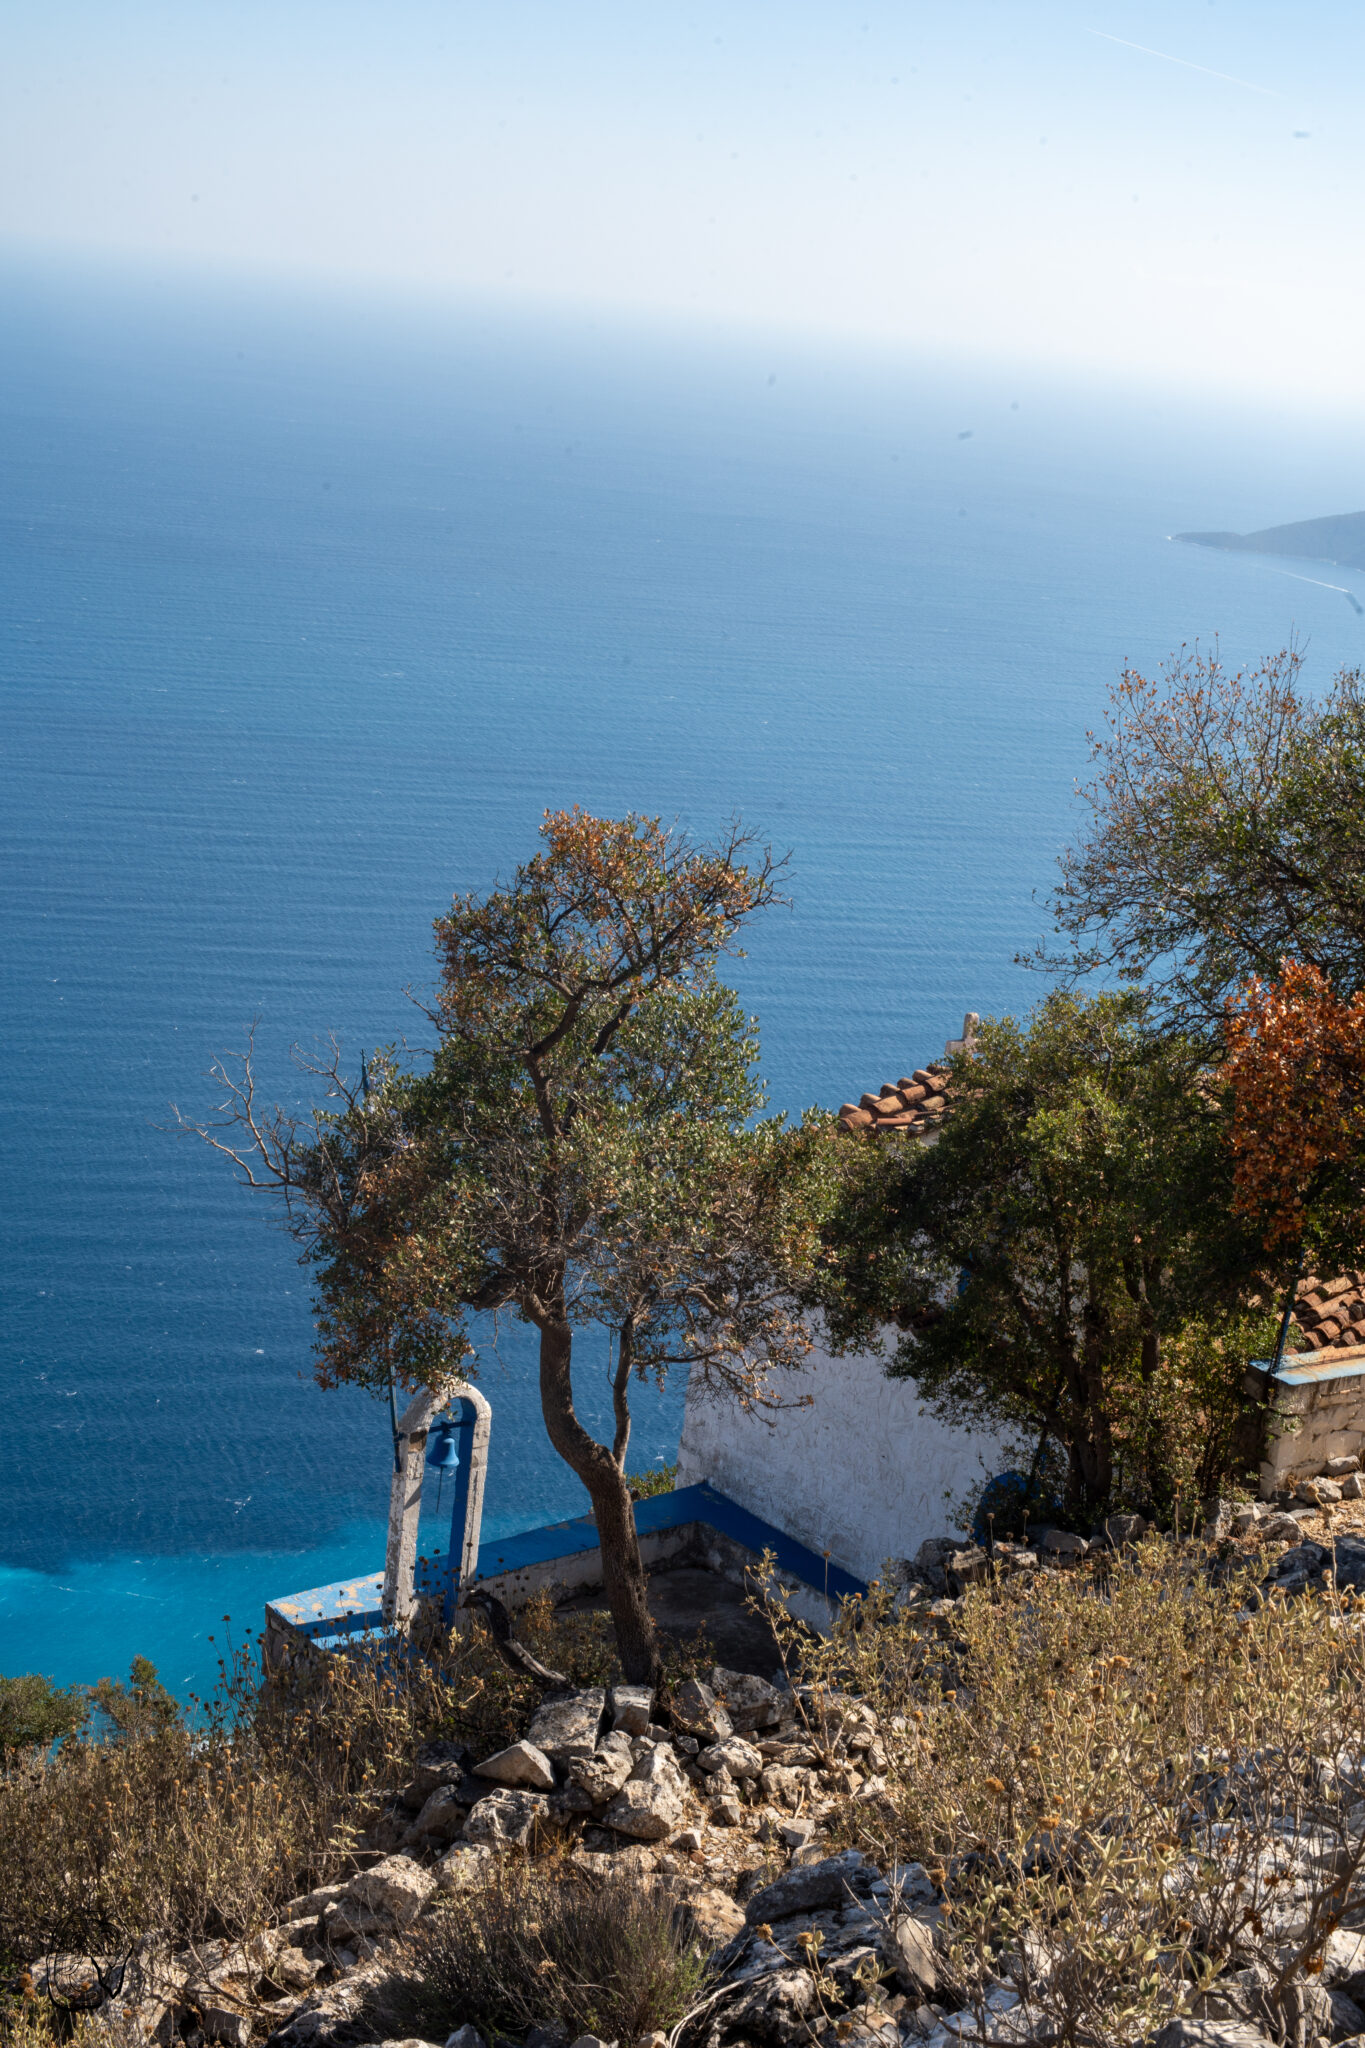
x=1109, y=1773
x=153, y=1824
x=170, y=1833
x=549, y=1946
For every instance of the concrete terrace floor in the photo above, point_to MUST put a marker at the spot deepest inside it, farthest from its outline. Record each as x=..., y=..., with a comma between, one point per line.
x=686, y=1598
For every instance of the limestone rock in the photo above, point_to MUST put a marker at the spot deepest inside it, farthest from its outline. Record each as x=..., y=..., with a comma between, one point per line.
x=521, y=1764
x=1209, y=2034
x=726, y=1812
x=750, y=1702
x=1064, y=1543
x=463, y=1866
x=649, y=1805
x=1278, y=1528
x=783, y=1787
x=713, y=1915
x=734, y=1755
x=507, y=1820
x=1318, y=1493
x=1120, y=1529
x=632, y=1708
x=910, y=1951
x=806, y=1890
x=963, y=1568
x=777, y=2010
x=442, y=1815
x=1353, y=1487
x=396, y=1890
x=696, y=1708
x=465, y=2037
x=602, y=1774
x=568, y=1727
x=438, y=1763
x=1341, y=1468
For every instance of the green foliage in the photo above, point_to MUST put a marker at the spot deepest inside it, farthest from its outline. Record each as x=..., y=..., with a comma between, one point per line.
x=552, y=1949
x=659, y=1479
x=35, y=1713
x=1227, y=833
x=141, y=1707
x=1072, y=1219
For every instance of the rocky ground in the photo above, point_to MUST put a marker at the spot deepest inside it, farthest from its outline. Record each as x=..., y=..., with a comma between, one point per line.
x=733, y=1813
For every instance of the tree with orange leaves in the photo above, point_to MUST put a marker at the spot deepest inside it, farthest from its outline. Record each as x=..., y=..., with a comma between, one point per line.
x=581, y=1149
x=1295, y=1068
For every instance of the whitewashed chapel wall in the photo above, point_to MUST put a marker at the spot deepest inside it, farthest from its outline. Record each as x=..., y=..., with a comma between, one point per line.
x=862, y=1473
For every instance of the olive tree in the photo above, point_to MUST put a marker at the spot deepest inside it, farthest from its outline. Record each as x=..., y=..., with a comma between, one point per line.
x=583, y=1145
x=1065, y=1258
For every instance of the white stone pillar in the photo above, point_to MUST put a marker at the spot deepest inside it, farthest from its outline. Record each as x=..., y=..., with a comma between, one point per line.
x=405, y=1505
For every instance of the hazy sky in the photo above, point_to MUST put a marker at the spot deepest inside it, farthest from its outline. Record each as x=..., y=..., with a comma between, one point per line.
x=1003, y=177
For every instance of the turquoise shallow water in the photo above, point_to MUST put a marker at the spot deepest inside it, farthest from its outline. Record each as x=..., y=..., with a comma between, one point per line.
x=309, y=609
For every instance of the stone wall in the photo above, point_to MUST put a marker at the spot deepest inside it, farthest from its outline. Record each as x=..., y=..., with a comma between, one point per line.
x=1317, y=1412
x=863, y=1474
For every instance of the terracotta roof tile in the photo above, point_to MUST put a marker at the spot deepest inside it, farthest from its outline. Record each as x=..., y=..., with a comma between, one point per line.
x=916, y=1102
x=1329, y=1315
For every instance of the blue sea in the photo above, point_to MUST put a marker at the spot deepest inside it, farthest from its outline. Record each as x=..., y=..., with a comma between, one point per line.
x=312, y=604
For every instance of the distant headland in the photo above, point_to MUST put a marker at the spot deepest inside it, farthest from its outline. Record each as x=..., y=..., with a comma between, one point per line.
x=1339, y=539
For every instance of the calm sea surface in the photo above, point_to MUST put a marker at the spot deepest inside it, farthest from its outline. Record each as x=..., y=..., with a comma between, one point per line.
x=310, y=608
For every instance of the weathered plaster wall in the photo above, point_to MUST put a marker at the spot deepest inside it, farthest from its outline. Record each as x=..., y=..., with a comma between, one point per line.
x=861, y=1473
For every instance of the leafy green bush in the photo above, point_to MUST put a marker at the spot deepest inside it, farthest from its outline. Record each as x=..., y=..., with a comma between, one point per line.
x=658, y=1479
x=553, y=1948
x=35, y=1713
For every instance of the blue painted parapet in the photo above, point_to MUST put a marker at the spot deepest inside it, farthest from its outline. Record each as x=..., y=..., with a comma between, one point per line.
x=695, y=1524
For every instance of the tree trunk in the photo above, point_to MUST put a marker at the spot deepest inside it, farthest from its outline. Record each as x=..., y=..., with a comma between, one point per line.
x=623, y=1573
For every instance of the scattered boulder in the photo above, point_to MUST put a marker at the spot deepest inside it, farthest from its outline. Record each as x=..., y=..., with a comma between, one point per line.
x=1185, y=2033
x=465, y=2037
x=805, y=1890
x=696, y=1708
x=395, y=1890
x=632, y=1709
x=507, y=1820
x=650, y=1804
x=438, y=1763
x=1063, y=1543
x=520, y=1764
x=1341, y=1468
x=602, y=1774
x=1116, y=1530
x=442, y=1817
x=909, y=1949
x=734, y=1755
x=750, y=1702
x=568, y=1726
